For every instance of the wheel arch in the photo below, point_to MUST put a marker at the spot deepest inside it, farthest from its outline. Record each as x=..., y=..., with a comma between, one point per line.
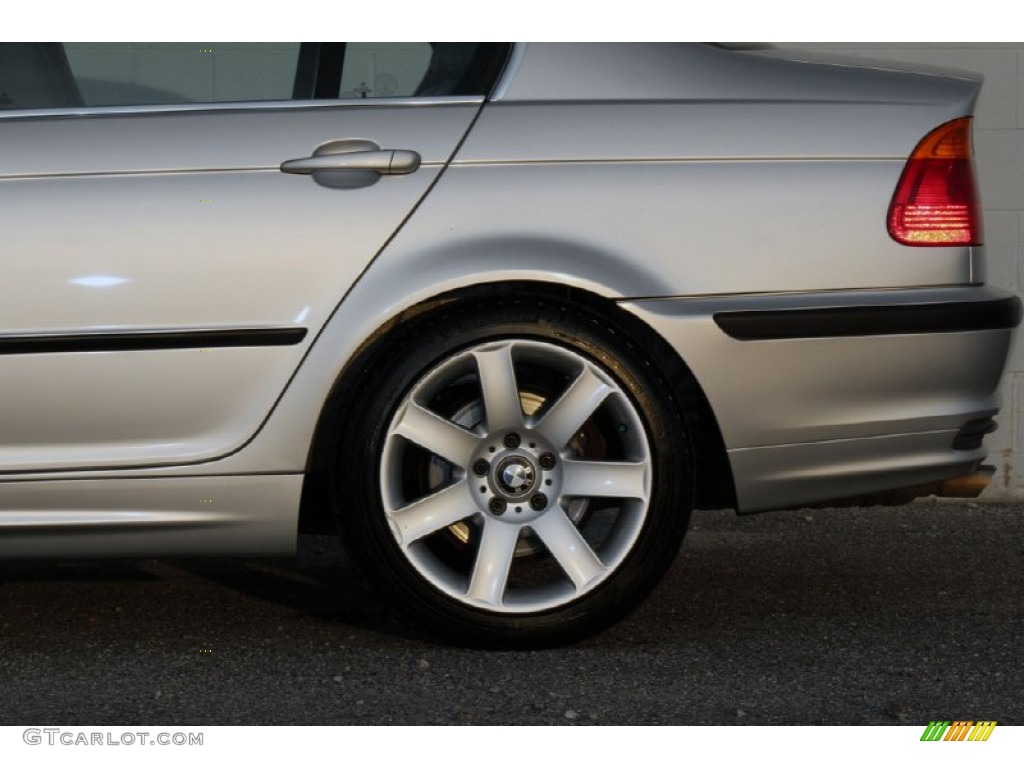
x=715, y=487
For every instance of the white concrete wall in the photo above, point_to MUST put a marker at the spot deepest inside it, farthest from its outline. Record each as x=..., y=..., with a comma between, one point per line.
x=999, y=143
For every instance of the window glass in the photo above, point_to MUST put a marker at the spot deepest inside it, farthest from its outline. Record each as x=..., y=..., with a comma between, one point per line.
x=68, y=75
x=383, y=69
x=60, y=75
x=182, y=73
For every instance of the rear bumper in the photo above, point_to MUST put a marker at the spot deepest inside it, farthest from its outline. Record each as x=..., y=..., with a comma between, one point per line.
x=822, y=396
x=777, y=477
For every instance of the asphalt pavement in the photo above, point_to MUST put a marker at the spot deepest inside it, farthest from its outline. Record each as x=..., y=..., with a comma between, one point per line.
x=892, y=616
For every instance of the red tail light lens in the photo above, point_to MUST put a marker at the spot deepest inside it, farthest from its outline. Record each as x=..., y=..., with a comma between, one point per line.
x=936, y=201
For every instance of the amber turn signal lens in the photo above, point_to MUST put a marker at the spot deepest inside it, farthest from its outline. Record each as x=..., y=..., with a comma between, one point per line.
x=936, y=200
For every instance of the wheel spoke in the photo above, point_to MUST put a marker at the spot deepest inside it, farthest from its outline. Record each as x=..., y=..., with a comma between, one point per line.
x=493, y=562
x=432, y=513
x=569, y=548
x=498, y=384
x=436, y=434
x=612, y=479
x=573, y=408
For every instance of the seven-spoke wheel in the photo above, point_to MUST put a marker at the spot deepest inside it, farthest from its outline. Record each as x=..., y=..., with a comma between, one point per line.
x=531, y=474
x=531, y=480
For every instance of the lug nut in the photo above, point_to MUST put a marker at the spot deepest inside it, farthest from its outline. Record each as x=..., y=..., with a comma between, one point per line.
x=538, y=501
x=496, y=505
x=547, y=461
x=512, y=440
x=480, y=467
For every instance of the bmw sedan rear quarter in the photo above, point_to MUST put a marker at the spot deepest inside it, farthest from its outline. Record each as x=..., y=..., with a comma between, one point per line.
x=504, y=314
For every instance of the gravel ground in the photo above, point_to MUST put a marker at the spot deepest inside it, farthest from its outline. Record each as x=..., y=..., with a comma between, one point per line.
x=867, y=616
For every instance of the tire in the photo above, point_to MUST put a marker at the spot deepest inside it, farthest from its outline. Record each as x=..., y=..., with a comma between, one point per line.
x=513, y=475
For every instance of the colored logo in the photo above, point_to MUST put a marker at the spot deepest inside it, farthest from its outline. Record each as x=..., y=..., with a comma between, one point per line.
x=958, y=730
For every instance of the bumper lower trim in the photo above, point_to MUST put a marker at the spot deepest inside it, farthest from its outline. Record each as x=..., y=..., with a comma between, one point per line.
x=831, y=322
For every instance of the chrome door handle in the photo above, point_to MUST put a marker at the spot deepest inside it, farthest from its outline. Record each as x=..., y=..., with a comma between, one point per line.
x=386, y=162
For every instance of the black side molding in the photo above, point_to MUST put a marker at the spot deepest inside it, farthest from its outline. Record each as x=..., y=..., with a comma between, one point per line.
x=122, y=341
x=829, y=322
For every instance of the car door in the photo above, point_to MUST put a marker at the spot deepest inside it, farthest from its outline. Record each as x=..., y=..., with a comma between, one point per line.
x=164, y=275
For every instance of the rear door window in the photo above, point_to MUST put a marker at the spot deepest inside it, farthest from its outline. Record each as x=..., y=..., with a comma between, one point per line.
x=70, y=75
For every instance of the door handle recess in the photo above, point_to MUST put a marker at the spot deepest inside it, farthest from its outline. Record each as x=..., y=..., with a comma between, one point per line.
x=386, y=162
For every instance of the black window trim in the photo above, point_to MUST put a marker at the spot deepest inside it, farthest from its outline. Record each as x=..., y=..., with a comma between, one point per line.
x=329, y=70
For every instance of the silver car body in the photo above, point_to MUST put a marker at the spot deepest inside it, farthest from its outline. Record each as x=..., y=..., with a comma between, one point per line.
x=755, y=183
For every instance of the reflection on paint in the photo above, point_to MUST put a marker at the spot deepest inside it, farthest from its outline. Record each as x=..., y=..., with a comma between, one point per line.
x=99, y=281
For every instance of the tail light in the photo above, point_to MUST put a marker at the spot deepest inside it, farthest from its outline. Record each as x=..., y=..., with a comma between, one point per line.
x=936, y=201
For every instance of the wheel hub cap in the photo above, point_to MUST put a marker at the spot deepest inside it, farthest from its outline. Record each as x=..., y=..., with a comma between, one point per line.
x=516, y=476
